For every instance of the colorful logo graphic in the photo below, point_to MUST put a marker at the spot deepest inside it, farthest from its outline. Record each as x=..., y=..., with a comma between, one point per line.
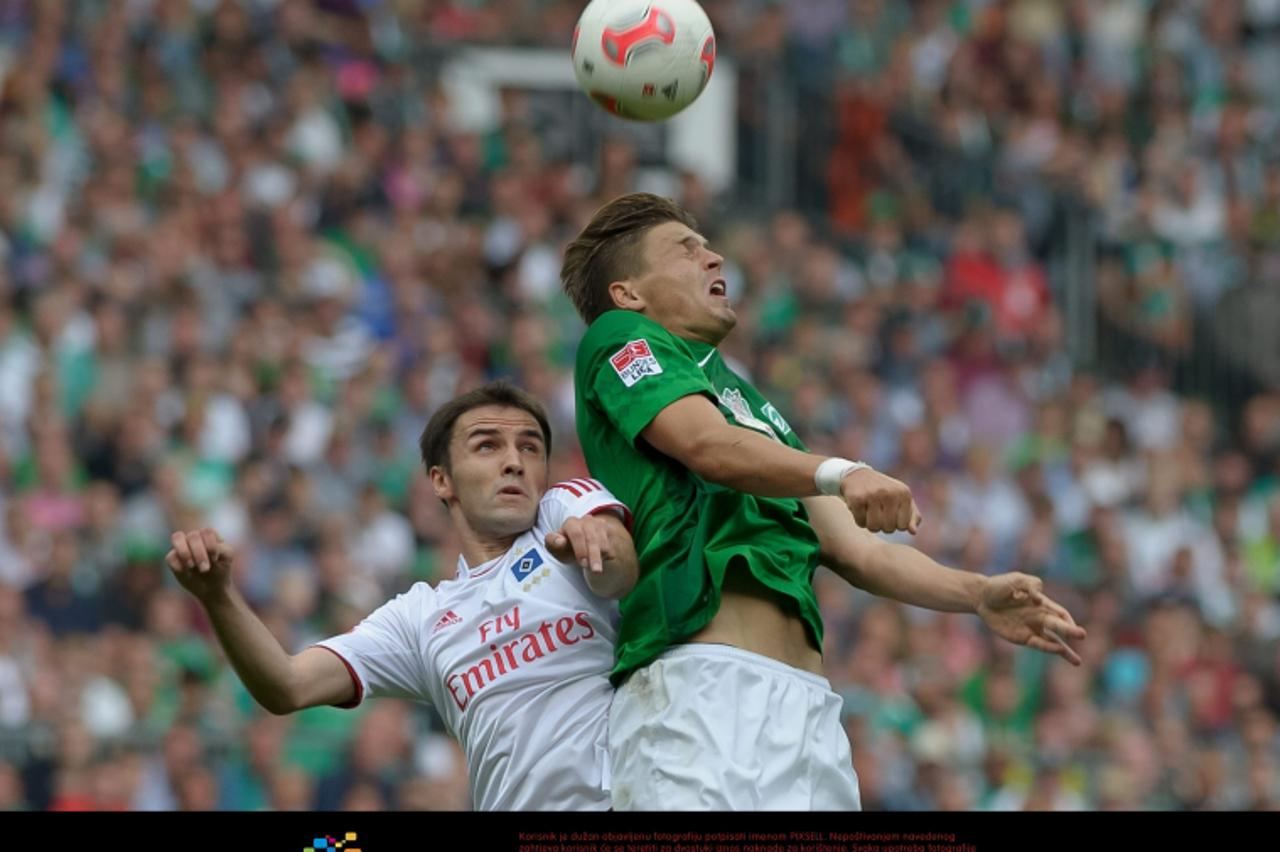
x=635, y=361
x=525, y=565
x=323, y=844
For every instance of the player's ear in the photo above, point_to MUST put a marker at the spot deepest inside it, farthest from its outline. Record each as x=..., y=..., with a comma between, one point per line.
x=623, y=294
x=441, y=483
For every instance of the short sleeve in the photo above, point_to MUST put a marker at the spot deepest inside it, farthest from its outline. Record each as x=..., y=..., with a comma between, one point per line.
x=383, y=653
x=632, y=368
x=577, y=498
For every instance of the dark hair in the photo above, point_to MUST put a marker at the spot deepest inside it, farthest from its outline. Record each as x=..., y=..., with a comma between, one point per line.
x=608, y=249
x=435, y=438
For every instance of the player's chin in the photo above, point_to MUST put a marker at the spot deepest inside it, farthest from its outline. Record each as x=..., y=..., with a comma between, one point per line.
x=721, y=309
x=514, y=518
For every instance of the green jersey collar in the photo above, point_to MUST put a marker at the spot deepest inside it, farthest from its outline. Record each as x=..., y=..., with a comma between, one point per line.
x=702, y=352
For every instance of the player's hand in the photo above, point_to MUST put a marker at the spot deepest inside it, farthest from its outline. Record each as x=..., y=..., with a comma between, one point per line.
x=201, y=561
x=1015, y=607
x=585, y=541
x=879, y=503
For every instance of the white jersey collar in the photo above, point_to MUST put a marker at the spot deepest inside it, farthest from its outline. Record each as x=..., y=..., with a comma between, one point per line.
x=465, y=571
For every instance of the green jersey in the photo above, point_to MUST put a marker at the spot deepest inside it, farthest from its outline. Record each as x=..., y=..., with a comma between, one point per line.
x=688, y=532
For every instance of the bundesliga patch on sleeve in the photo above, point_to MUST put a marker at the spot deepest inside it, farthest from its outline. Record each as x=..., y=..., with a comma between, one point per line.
x=635, y=361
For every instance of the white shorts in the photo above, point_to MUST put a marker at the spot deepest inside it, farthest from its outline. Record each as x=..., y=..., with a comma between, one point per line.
x=713, y=727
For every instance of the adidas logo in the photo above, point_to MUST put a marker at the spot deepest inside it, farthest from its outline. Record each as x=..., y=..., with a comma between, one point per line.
x=449, y=619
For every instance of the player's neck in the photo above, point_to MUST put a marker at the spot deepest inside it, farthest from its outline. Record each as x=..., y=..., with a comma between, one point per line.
x=478, y=548
x=701, y=338
x=698, y=346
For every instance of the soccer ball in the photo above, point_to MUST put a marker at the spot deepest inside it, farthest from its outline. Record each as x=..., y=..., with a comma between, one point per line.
x=643, y=59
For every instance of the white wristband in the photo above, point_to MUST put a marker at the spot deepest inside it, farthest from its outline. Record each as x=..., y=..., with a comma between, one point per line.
x=832, y=471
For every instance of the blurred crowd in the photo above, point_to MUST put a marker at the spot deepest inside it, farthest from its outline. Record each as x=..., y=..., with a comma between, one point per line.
x=244, y=254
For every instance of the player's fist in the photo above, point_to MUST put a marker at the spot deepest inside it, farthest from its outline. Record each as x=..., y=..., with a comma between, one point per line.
x=585, y=541
x=879, y=503
x=201, y=561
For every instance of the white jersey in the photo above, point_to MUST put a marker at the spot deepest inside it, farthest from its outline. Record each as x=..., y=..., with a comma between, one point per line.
x=515, y=656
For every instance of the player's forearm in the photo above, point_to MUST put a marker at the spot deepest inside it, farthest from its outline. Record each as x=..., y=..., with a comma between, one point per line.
x=887, y=569
x=754, y=464
x=263, y=666
x=905, y=574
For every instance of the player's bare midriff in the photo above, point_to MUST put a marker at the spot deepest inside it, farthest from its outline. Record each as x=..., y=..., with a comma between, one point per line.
x=758, y=619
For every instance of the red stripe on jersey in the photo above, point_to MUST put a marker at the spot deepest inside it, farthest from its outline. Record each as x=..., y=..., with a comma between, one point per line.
x=586, y=484
x=596, y=483
x=626, y=513
x=567, y=487
x=354, y=679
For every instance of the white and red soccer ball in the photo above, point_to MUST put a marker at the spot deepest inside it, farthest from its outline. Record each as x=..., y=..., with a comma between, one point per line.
x=643, y=59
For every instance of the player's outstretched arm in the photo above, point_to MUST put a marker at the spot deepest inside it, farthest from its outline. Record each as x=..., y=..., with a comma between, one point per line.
x=1012, y=605
x=692, y=431
x=201, y=561
x=600, y=544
